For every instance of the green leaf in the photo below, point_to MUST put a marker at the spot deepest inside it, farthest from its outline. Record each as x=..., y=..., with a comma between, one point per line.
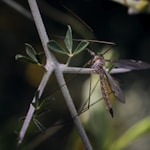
x=39, y=125
x=40, y=57
x=36, y=103
x=54, y=46
x=31, y=52
x=81, y=46
x=136, y=131
x=25, y=59
x=68, y=39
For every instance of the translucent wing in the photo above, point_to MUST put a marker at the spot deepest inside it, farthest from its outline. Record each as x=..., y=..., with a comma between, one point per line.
x=130, y=64
x=115, y=88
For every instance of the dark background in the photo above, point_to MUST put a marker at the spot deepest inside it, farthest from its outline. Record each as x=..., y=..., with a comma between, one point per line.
x=18, y=81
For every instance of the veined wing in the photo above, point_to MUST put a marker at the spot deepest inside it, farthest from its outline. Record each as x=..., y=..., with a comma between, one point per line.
x=115, y=88
x=130, y=64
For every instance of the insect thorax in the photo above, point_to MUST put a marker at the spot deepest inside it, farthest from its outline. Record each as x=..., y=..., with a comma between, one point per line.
x=98, y=62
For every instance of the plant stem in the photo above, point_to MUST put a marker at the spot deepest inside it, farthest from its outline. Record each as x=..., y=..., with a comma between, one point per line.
x=51, y=63
x=72, y=109
x=32, y=108
x=79, y=70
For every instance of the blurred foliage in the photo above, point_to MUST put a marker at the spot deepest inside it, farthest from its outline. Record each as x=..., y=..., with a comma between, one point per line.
x=110, y=22
x=135, y=7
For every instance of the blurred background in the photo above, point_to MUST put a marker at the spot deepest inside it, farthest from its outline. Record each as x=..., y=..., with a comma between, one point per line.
x=110, y=21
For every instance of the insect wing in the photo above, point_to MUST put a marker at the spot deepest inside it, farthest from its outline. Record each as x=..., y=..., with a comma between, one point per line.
x=131, y=64
x=115, y=88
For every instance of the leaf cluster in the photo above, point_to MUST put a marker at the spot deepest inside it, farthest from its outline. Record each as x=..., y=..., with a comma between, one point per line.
x=32, y=56
x=68, y=41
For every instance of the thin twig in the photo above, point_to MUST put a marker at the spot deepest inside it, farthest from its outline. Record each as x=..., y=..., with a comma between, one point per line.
x=78, y=70
x=31, y=108
x=72, y=109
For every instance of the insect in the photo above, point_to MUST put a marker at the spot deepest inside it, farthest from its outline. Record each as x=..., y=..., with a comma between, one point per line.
x=98, y=63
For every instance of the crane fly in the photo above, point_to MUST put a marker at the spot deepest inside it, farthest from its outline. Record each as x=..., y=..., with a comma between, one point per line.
x=106, y=80
x=98, y=63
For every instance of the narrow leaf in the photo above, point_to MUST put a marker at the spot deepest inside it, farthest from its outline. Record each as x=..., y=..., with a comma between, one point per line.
x=38, y=125
x=81, y=46
x=31, y=52
x=68, y=39
x=54, y=46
